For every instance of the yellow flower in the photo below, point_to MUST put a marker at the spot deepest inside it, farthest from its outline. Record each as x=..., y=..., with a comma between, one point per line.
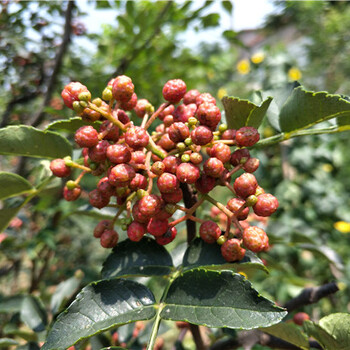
x=342, y=226
x=221, y=93
x=327, y=167
x=257, y=57
x=243, y=67
x=294, y=74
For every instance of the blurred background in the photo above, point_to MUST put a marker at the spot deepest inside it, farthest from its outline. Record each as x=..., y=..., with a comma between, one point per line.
x=244, y=48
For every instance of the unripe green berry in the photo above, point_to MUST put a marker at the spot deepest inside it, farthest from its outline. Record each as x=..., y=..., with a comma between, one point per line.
x=77, y=108
x=68, y=161
x=97, y=102
x=123, y=221
x=124, y=227
x=121, y=191
x=83, y=104
x=85, y=96
x=192, y=121
x=181, y=146
x=93, y=165
x=223, y=127
x=154, y=133
x=141, y=193
x=188, y=141
x=107, y=94
x=216, y=138
x=251, y=200
x=221, y=240
x=185, y=158
x=170, y=208
x=71, y=185
x=129, y=220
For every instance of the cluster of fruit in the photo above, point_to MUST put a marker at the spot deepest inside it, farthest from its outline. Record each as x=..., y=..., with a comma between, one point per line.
x=188, y=151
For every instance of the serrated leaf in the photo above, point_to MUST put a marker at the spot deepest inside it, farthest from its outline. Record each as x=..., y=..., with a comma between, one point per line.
x=144, y=258
x=64, y=291
x=290, y=333
x=208, y=256
x=219, y=299
x=304, y=109
x=27, y=141
x=13, y=185
x=327, y=252
x=241, y=113
x=6, y=215
x=338, y=326
x=99, y=307
x=33, y=313
x=325, y=339
x=5, y=342
x=71, y=124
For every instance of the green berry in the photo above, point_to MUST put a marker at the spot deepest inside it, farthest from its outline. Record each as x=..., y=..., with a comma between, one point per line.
x=107, y=94
x=141, y=193
x=77, y=108
x=83, y=104
x=68, y=161
x=181, y=146
x=97, y=102
x=170, y=208
x=188, y=141
x=223, y=127
x=251, y=200
x=85, y=96
x=71, y=185
x=192, y=121
x=185, y=158
x=221, y=240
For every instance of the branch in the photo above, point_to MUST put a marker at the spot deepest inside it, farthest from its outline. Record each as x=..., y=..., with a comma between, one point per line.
x=57, y=64
x=157, y=25
x=311, y=296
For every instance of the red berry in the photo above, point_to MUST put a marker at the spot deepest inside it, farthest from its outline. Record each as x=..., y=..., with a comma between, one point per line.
x=209, y=231
x=137, y=215
x=300, y=317
x=240, y=156
x=98, y=153
x=142, y=107
x=187, y=173
x=98, y=199
x=255, y=239
x=118, y=153
x=247, y=136
x=121, y=116
x=105, y=187
x=178, y=132
x=245, y=185
x=213, y=167
x=129, y=105
x=201, y=135
x=136, y=231
x=158, y=168
x=168, y=120
x=121, y=175
x=234, y=204
x=208, y=114
x=109, y=239
x=157, y=227
x=168, y=237
x=231, y=250
x=166, y=143
x=166, y=111
x=196, y=158
x=171, y=163
x=221, y=151
x=173, y=197
x=59, y=168
x=150, y=205
x=229, y=134
x=174, y=90
x=71, y=195
x=205, y=183
x=190, y=96
x=71, y=92
x=122, y=88
x=138, y=157
x=168, y=183
x=136, y=137
x=184, y=112
x=251, y=165
x=138, y=182
x=205, y=98
x=266, y=205
x=86, y=136
x=101, y=227
x=110, y=131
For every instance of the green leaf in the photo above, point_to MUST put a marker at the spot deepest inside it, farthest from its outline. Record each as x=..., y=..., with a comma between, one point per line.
x=11, y=304
x=5, y=342
x=219, y=299
x=290, y=333
x=27, y=141
x=338, y=326
x=33, y=313
x=99, y=307
x=13, y=185
x=6, y=215
x=64, y=291
x=228, y=6
x=304, y=109
x=210, y=20
x=144, y=258
x=71, y=124
x=208, y=256
x=241, y=113
x=114, y=348
x=324, y=338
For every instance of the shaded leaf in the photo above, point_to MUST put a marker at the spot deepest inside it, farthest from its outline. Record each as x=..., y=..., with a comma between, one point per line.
x=98, y=307
x=13, y=185
x=12, y=329
x=208, y=256
x=219, y=299
x=33, y=313
x=290, y=333
x=29, y=346
x=5, y=342
x=71, y=124
x=228, y=6
x=6, y=215
x=241, y=113
x=27, y=141
x=11, y=304
x=144, y=258
x=304, y=109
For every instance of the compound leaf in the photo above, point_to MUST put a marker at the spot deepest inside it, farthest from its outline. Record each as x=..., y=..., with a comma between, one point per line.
x=218, y=299
x=144, y=258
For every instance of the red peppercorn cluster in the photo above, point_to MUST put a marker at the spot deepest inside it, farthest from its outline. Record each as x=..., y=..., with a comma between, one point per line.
x=143, y=174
